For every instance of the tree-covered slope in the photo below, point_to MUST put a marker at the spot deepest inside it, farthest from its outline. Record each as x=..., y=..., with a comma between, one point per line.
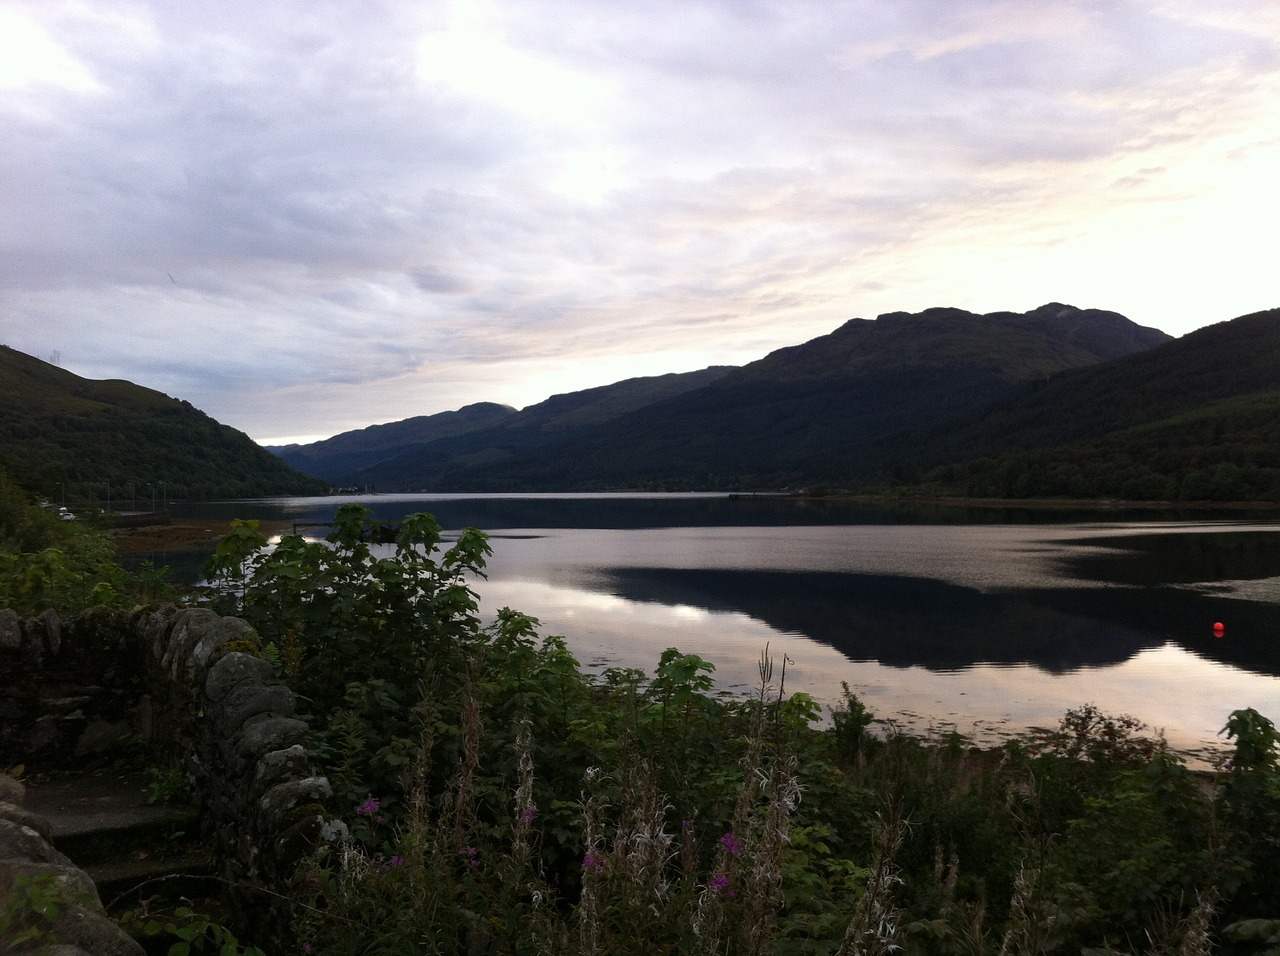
x=785, y=419
x=343, y=455
x=559, y=421
x=1195, y=419
x=60, y=433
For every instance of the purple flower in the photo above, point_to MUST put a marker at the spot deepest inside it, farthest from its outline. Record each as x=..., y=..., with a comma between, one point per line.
x=720, y=883
x=596, y=862
x=526, y=815
x=732, y=845
x=470, y=855
x=368, y=808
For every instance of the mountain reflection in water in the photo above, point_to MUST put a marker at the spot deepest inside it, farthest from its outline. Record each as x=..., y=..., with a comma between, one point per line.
x=981, y=621
x=905, y=621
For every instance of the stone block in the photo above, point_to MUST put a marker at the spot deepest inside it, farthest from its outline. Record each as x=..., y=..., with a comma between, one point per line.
x=250, y=699
x=10, y=630
x=225, y=631
x=20, y=842
x=283, y=797
x=190, y=627
x=233, y=669
x=51, y=627
x=15, y=813
x=278, y=766
x=274, y=733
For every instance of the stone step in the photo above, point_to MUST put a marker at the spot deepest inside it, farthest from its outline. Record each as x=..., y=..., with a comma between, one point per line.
x=123, y=883
x=102, y=822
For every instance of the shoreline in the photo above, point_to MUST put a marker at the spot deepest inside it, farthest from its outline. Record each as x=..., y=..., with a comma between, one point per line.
x=183, y=533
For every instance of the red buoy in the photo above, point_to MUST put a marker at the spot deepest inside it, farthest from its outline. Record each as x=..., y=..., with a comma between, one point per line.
x=1218, y=629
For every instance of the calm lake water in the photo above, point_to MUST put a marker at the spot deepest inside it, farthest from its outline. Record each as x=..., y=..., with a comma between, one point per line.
x=982, y=622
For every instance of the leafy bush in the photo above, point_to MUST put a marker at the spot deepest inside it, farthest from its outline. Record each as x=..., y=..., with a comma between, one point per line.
x=68, y=566
x=501, y=800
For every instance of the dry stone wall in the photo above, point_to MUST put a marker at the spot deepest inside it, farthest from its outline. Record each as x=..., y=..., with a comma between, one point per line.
x=34, y=874
x=193, y=686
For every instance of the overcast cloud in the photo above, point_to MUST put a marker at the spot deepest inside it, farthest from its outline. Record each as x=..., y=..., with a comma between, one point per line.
x=315, y=216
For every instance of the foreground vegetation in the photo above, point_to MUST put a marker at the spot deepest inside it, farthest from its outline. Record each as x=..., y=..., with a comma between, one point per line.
x=501, y=800
x=66, y=565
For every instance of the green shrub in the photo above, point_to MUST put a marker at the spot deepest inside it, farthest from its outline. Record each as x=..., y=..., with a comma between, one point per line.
x=503, y=801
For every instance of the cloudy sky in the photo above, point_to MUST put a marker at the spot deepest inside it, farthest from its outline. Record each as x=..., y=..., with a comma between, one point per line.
x=307, y=217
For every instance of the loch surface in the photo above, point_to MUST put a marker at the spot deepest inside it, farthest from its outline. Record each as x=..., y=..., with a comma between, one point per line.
x=981, y=621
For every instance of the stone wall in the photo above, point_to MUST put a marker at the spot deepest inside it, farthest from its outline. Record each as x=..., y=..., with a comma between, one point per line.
x=33, y=874
x=193, y=687
x=70, y=692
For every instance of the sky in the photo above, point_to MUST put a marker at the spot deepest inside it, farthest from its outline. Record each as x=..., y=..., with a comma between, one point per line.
x=309, y=217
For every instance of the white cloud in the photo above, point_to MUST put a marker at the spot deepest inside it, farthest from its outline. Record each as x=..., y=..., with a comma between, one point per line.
x=309, y=217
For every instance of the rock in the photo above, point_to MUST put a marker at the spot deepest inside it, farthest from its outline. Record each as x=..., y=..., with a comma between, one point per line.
x=11, y=790
x=282, y=798
x=190, y=627
x=51, y=624
x=13, y=812
x=249, y=699
x=232, y=669
x=10, y=630
x=225, y=630
x=278, y=766
x=274, y=733
x=102, y=736
x=20, y=842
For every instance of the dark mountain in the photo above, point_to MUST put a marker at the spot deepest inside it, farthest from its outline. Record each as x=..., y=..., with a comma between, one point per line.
x=60, y=432
x=559, y=420
x=1197, y=418
x=813, y=412
x=340, y=456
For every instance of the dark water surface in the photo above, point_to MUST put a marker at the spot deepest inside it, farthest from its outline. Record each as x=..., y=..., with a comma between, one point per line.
x=983, y=621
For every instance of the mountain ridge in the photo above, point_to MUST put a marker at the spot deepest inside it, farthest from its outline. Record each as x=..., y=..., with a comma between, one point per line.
x=61, y=434
x=766, y=423
x=1054, y=402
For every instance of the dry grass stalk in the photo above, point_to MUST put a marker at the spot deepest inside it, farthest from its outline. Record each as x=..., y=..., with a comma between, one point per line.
x=458, y=809
x=594, y=865
x=1026, y=932
x=873, y=930
x=1195, y=928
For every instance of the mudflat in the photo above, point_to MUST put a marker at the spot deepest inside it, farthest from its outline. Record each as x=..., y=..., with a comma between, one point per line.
x=183, y=533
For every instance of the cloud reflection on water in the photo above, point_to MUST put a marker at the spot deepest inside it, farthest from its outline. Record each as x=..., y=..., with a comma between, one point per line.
x=1166, y=685
x=982, y=630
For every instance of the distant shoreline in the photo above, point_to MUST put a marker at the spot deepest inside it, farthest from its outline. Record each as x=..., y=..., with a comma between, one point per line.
x=1066, y=504
x=183, y=533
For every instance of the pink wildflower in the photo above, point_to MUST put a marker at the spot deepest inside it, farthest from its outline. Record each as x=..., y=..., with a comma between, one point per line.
x=720, y=883
x=732, y=845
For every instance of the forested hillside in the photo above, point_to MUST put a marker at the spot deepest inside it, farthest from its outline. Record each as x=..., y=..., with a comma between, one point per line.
x=816, y=412
x=340, y=457
x=1196, y=419
x=65, y=436
x=504, y=448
